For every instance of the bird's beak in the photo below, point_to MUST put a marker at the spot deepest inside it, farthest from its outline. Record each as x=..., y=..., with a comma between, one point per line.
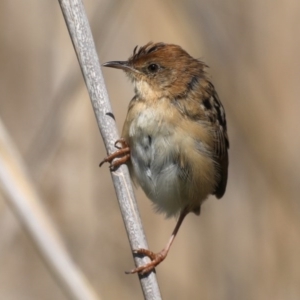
x=123, y=65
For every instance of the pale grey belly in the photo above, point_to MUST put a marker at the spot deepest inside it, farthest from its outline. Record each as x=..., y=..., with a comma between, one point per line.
x=156, y=170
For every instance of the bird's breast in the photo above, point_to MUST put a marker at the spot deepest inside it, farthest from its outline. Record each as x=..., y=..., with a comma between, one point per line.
x=151, y=144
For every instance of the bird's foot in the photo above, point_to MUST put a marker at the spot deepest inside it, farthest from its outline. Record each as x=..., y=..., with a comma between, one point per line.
x=156, y=259
x=123, y=153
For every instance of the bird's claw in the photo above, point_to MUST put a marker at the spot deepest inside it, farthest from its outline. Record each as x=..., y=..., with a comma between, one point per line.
x=123, y=153
x=156, y=259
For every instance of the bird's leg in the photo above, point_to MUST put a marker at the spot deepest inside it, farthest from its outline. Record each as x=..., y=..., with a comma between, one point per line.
x=123, y=153
x=157, y=258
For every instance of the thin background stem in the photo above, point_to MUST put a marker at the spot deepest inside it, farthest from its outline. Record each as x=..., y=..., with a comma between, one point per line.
x=24, y=200
x=83, y=43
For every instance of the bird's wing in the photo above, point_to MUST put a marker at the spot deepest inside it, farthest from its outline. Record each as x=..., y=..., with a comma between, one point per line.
x=216, y=115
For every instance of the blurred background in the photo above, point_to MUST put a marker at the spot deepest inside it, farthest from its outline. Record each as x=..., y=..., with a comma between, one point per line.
x=245, y=246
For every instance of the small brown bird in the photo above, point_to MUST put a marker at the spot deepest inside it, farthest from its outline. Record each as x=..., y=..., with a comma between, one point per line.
x=174, y=138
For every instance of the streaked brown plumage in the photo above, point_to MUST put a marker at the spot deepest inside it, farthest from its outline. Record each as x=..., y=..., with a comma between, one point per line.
x=174, y=137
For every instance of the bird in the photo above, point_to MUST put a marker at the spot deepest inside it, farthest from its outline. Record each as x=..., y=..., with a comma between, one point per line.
x=174, y=139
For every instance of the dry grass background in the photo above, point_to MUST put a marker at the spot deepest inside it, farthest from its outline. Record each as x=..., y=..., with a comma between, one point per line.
x=245, y=246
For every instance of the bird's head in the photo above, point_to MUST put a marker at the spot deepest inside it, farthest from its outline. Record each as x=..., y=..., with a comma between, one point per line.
x=161, y=68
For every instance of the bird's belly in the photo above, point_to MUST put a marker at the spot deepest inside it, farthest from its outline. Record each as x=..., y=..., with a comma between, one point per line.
x=174, y=167
x=157, y=174
x=154, y=166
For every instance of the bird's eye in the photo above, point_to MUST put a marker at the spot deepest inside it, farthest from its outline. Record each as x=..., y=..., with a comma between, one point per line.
x=152, y=68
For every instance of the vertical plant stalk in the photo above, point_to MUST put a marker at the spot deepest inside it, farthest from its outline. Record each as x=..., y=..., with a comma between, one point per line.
x=84, y=46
